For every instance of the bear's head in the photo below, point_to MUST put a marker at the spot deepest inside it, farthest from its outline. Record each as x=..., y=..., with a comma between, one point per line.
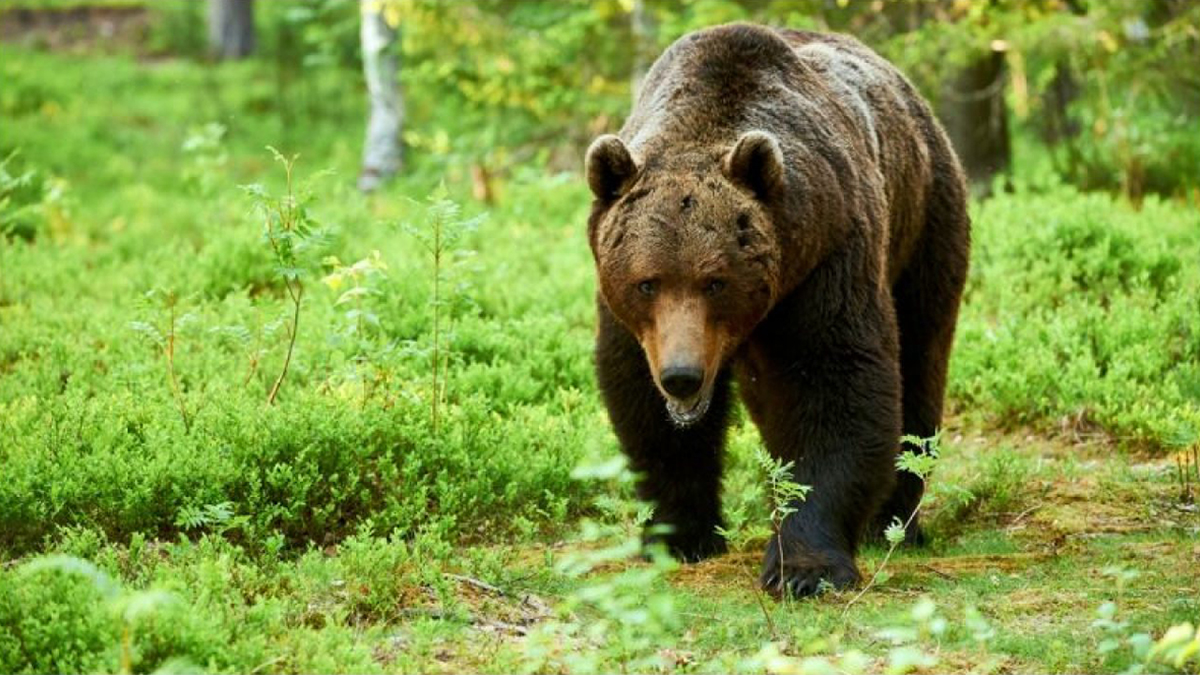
x=686, y=254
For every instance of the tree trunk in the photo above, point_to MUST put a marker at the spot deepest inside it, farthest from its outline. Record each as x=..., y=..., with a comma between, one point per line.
x=976, y=118
x=231, y=28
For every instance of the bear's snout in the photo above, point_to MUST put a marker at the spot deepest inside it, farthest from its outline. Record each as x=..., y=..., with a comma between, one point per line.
x=682, y=382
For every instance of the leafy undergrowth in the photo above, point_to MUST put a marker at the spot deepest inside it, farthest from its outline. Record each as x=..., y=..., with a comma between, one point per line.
x=1066, y=557
x=286, y=428
x=1083, y=313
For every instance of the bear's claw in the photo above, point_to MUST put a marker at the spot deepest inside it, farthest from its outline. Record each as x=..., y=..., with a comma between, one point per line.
x=805, y=573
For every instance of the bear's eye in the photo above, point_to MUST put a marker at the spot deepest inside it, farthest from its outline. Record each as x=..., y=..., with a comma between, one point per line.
x=714, y=287
x=647, y=287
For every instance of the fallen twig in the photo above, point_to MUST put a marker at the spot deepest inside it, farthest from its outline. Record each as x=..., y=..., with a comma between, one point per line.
x=539, y=607
x=471, y=581
x=931, y=568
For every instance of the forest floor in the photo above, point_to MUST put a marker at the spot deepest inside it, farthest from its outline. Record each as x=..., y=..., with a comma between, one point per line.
x=1058, y=527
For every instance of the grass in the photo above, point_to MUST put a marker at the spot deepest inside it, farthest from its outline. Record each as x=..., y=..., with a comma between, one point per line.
x=344, y=529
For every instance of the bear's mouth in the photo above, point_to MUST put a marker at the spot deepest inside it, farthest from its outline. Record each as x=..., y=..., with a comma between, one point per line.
x=686, y=413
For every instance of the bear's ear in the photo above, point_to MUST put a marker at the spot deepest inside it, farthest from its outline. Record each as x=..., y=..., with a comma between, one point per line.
x=756, y=162
x=609, y=167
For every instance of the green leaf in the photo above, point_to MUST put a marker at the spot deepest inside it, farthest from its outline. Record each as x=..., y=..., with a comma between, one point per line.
x=148, y=331
x=66, y=564
x=924, y=609
x=145, y=603
x=356, y=293
x=290, y=273
x=907, y=659
x=255, y=190
x=611, y=468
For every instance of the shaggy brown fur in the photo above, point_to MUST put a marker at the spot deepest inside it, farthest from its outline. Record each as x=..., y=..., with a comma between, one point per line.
x=780, y=208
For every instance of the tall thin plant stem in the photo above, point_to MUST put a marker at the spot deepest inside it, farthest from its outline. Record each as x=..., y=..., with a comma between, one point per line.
x=296, y=295
x=882, y=564
x=286, y=210
x=176, y=390
x=762, y=605
x=437, y=312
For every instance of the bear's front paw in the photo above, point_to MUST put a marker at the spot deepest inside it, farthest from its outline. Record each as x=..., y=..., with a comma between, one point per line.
x=689, y=547
x=802, y=571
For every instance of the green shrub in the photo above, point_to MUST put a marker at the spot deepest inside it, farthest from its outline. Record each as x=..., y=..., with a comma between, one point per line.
x=52, y=621
x=1078, y=311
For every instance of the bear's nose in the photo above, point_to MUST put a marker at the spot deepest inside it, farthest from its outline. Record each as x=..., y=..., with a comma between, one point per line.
x=681, y=381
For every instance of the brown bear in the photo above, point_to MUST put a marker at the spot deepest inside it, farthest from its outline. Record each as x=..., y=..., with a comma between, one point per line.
x=782, y=210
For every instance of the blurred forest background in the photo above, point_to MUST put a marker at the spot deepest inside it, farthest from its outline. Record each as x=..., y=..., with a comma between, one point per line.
x=1104, y=94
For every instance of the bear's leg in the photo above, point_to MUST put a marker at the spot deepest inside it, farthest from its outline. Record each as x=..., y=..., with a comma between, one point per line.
x=679, y=469
x=825, y=395
x=926, y=298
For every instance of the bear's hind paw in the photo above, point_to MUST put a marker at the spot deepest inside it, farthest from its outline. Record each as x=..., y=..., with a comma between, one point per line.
x=693, y=548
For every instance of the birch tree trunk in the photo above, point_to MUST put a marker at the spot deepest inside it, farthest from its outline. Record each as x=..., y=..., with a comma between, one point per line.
x=231, y=28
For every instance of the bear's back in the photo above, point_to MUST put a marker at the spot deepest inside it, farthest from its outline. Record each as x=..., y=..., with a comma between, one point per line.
x=898, y=125
x=865, y=83
x=731, y=76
